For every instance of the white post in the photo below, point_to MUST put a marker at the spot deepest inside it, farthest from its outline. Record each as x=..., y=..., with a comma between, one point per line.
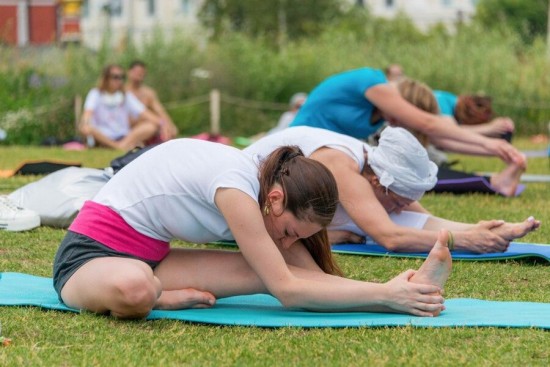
x=214, y=112
x=23, y=23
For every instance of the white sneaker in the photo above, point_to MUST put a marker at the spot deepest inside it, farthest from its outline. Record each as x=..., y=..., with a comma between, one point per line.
x=14, y=218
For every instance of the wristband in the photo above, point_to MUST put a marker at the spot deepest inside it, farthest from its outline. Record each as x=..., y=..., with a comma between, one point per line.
x=451, y=241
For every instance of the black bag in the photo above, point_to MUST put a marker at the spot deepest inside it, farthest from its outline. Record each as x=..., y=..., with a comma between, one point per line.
x=118, y=163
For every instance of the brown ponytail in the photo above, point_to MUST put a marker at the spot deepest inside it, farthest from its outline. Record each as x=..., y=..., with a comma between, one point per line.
x=310, y=194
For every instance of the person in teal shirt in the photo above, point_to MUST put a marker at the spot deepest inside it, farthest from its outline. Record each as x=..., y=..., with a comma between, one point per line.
x=338, y=104
x=356, y=102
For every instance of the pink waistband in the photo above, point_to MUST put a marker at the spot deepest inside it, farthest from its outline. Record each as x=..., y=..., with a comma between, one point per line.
x=106, y=226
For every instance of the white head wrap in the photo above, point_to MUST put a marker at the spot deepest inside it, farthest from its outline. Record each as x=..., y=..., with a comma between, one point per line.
x=402, y=165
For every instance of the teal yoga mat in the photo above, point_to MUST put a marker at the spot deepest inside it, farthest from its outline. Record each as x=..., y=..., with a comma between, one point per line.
x=517, y=250
x=18, y=289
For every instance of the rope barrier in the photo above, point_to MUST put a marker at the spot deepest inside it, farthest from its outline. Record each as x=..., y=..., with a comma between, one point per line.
x=193, y=101
x=236, y=101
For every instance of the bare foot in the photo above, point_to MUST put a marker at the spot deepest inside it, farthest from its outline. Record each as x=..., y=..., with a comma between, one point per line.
x=512, y=231
x=437, y=267
x=506, y=182
x=184, y=298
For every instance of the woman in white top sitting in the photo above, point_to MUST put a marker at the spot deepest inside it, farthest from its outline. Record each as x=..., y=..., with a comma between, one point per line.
x=374, y=182
x=113, y=118
x=116, y=256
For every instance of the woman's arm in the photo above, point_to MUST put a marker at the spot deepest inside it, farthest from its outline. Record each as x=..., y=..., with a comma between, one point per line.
x=358, y=199
x=314, y=290
x=390, y=102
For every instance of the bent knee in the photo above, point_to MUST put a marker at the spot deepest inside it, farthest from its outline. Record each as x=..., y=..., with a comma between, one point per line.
x=135, y=296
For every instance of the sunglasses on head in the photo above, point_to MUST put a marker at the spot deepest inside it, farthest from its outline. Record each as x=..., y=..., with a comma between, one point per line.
x=117, y=76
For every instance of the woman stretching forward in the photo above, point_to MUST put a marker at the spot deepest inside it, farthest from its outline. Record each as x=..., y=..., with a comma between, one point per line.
x=376, y=181
x=116, y=256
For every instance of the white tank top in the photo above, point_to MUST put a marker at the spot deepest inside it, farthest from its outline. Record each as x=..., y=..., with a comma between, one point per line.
x=310, y=139
x=168, y=192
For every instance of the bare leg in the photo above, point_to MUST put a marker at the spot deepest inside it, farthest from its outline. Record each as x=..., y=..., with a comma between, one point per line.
x=139, y=133
x=506, y=182
x=437, y=267
x=222, y=273
x=126, y=288
x=512, y=231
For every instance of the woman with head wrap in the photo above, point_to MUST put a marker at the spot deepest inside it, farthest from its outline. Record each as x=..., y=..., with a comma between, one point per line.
x=376, y=182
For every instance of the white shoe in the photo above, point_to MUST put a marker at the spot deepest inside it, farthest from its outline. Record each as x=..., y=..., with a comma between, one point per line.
x=14, y=218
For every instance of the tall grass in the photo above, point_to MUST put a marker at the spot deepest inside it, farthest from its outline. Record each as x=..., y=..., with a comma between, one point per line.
x=474, y=60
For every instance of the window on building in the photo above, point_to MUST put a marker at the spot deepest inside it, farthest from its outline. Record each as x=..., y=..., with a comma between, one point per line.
x=115, y=8
x=151, y=7
x=389, y=3
x=185, y=7
x=85, y=10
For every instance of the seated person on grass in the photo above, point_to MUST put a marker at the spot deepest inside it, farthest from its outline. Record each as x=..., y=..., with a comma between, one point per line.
x=113, y=118
x=376, y=181
x=116, y=258
x=147, y=95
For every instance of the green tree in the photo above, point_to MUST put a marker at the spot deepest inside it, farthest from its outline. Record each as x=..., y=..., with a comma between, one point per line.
x=277, y=20
x=527, y=17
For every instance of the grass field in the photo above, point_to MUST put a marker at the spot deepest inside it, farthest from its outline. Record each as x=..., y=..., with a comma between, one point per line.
x=63, y=339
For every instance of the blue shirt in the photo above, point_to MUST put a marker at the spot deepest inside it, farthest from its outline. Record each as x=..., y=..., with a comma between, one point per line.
x=446, y=101
x=339, y=104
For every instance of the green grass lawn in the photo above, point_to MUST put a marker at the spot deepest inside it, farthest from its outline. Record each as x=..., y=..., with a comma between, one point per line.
x=64, y=339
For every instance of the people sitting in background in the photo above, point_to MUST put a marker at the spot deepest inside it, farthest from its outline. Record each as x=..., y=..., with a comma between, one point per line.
x=375, y=184
x=113, y=118
x=474, y=112
x=147, y=95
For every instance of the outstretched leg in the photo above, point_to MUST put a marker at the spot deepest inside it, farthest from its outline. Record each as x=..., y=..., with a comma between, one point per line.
x=507, y=181
x=512, y=231
x=437, y=267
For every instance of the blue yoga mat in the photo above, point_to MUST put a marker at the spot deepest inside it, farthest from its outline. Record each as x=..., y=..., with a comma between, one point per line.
x=18, y=289
x=517, y=250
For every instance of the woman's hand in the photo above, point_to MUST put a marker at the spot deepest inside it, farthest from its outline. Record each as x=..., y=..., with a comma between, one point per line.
x=416, y=299
x=505, y=151
x=484, y=237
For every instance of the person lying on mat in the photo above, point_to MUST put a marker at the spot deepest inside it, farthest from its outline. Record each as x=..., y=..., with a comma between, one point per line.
x=389, y=178
x=504, y=183
x=358, y=102
x=116, y=256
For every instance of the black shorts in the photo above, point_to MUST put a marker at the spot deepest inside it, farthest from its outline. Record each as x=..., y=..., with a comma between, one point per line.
x=76, y=250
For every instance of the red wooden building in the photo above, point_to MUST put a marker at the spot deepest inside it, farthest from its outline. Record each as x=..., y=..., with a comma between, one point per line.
x=39, y=22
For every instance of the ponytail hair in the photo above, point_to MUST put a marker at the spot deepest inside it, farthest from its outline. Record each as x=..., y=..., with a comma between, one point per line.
x=310, y=194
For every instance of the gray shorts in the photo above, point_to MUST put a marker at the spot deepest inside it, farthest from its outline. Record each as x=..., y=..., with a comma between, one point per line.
x=76, y=250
